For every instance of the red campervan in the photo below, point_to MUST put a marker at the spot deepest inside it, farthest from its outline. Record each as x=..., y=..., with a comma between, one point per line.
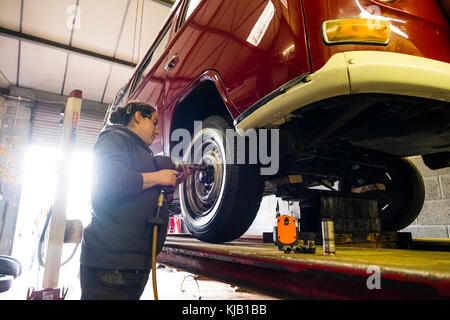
x=353, y=87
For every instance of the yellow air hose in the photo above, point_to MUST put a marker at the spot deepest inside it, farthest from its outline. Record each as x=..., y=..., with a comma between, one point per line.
x=155, y=289
x=154, y=242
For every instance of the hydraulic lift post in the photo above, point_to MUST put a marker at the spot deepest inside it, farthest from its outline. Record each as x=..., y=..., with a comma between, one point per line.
x=58, y=219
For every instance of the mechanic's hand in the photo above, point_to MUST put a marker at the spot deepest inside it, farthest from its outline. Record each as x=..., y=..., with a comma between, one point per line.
x=167, y=177
x=183, y=175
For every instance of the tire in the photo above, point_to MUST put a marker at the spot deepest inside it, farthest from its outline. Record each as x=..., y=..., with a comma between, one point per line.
x=6, y=282
x=406, y=193
x=10, y=266
x=219, y=206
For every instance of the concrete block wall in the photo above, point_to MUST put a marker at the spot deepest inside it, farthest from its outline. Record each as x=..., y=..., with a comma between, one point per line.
x=434, y=219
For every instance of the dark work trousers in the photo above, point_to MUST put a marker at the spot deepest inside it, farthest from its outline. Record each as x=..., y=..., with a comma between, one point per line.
x=107, y=284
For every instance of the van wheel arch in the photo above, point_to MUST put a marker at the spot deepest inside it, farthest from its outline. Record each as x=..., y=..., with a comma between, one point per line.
x=203, y=102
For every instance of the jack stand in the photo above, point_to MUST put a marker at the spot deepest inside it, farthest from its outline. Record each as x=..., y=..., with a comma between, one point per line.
x=329, y=247
x=46, y=294
x=58, y=219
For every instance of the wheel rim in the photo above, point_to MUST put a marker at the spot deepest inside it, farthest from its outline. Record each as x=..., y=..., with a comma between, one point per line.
x=201, y=193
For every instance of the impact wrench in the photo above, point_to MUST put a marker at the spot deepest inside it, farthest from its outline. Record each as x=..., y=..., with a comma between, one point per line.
x=161, y=163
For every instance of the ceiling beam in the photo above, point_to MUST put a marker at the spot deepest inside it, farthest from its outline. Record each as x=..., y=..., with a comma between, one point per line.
x=67, y=48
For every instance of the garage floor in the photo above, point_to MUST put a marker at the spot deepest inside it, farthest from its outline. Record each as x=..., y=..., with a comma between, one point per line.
x=172, y=285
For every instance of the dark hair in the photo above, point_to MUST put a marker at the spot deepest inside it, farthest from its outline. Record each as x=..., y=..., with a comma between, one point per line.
x=124, y=114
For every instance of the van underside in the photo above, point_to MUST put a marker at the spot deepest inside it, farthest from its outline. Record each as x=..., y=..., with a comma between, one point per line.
x=368, y=129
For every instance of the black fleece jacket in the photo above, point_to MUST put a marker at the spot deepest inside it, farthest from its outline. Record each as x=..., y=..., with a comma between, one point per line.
x=118, y=236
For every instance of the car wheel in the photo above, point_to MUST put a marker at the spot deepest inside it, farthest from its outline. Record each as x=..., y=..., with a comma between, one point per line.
x=405, y=193
x=219, y=205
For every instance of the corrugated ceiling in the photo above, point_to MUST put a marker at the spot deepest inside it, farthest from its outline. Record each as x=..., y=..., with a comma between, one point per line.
x=121, y=30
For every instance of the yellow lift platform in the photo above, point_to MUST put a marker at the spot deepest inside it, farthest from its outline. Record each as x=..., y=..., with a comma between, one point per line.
x=369, y=263
x=353, y=273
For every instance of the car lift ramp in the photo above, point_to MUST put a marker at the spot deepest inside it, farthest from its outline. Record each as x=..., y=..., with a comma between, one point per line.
x=350, y=274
